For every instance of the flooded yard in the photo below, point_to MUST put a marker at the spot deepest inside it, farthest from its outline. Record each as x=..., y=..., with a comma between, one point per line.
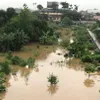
x=32, y=84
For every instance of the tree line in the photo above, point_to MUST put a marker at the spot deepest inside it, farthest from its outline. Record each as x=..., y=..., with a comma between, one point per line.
x=18, y=29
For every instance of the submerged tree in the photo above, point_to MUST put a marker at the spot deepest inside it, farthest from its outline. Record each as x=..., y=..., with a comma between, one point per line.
x=53, y=79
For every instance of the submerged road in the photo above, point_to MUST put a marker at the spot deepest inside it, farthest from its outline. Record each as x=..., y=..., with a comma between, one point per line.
x=94, y=38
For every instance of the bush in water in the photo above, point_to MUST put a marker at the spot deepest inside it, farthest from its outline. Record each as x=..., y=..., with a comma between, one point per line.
x=36, y=53
x=2, y=82
x=15, y=60
x=87, y=58
x=30, y=62
x=90, y=68
x=49, y=37
x=9, y=55
x=52, y=79
x=18, y=61
x=5, y=68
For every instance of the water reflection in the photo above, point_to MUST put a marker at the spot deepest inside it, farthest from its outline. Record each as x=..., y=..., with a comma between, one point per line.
x=52, y=89
x=36, y=69
x=2, y=95
x=61, y=63
x=75, y=64
x=89, y=83
x=14, y=71
x=22, y=72
x=7, y=81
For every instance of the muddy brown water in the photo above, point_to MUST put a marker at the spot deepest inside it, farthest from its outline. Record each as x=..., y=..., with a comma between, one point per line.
x=32, y=84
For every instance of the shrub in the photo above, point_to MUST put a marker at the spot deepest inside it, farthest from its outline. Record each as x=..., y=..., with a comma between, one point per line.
x=30, y=62
x=49, y=37
x=52, y=79
x=2, y=88
x=5, y=68
x=18, y=61
x=9, y=55
x=96, y=57
x=15, y=60
x=67, y=21
x=22, y=63
x=90, y=68
x=36, y=53
x=97, y=51
x=87, y=58
x=2, y=82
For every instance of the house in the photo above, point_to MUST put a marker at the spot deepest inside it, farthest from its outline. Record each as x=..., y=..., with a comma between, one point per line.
x=54, y=16
x=97, y=18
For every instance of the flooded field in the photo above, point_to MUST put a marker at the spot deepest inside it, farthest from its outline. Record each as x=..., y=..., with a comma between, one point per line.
x=32, y=84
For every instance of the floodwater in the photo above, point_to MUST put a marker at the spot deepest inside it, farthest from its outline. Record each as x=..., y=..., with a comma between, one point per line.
x=32, y=84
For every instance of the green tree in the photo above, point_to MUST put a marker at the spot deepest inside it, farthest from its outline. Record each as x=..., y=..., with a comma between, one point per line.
x=5, y=68
x=53, y=79
x=71, y=7
x=40, y=7
x=76, y=7
x=13, y=41
x=2, y=82
x=20, y=39
x=3, y=17
x=65, y=5
x=10, y=13
x=72, y=14
x=67, y=21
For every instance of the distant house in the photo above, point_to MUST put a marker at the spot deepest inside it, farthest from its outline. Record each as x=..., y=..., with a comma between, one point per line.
x=54, y=16
x=96, y=18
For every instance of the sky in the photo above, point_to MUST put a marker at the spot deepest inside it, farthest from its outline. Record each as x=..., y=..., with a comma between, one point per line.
x=83, y=4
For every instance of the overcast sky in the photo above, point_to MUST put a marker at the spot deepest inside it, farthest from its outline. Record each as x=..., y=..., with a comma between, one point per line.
x=83, y=4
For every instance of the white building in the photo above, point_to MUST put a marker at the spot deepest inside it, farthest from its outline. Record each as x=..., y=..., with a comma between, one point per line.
x=93, y=11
